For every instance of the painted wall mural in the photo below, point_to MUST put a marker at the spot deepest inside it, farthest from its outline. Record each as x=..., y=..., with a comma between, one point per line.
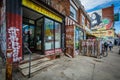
x=98, y=22
x=3, y=27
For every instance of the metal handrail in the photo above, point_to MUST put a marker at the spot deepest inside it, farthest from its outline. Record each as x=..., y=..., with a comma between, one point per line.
x=29, y=60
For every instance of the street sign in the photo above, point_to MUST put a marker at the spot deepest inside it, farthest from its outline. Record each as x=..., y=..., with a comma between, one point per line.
x=116, y=17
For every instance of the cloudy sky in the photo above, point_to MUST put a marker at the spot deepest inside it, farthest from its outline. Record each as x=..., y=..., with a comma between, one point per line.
x=92, y=5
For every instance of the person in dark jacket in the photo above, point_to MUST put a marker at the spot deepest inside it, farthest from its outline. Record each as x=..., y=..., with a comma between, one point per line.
x=110, y=45
x=106, y=46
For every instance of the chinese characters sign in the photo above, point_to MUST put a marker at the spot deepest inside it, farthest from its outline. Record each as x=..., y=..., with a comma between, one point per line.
x=13, y=43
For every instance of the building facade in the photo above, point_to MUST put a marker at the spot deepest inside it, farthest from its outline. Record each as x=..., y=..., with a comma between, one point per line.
x=103, y=23
x=33, y=24
x=46, y=27
x=77, y=24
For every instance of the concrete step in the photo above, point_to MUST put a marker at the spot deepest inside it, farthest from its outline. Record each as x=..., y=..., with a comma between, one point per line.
x=26, y=65
x=36, y=65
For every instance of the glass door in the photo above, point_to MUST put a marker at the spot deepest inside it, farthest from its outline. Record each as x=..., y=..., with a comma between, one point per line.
x=28, y=35
x=39, y=35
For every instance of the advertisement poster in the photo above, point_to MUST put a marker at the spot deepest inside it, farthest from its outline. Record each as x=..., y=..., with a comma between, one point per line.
x=106, y=33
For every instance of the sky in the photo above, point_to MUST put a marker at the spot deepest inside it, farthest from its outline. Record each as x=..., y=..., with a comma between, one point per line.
x=92, y=5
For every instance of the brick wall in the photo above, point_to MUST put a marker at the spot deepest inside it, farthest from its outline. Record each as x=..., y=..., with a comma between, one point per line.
x=108, y=13
x=63, y=6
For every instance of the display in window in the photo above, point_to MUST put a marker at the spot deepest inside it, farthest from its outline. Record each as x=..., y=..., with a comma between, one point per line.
x=38, y=34
x=57, y=35
x=49, y=34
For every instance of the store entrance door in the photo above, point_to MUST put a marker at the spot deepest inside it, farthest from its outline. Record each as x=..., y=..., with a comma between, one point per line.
x=28, y=35
x=39, y=36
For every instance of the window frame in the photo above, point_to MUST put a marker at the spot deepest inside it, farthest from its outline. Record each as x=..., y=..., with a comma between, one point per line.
x=74, y=16
x=82, y=19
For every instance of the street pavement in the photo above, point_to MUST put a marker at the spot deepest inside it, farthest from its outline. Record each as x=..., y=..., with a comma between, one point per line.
x=83, y=68
x=80, y=68
x=2, y=70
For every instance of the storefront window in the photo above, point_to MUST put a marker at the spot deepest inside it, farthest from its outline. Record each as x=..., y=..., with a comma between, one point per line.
x=83, y=19
x=81, y=35
x=57, y=35
x=78, y=36
x=49, y=34
x=84, y=36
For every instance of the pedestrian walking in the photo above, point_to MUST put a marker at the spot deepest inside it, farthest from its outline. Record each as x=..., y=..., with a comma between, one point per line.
x=106, y=46
x=110, y=45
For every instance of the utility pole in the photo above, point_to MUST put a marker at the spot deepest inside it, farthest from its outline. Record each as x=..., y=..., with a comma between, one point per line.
x=9, y=64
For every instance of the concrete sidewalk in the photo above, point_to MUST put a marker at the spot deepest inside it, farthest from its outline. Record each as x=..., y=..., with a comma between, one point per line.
x=78, y=68
x=2, y=70
x=83, y=68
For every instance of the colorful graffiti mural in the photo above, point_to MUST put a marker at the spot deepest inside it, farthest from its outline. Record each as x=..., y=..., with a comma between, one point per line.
x=3, y=26
x=99, y=22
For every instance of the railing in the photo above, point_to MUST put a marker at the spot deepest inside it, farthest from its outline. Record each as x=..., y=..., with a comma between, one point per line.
x=29, y=60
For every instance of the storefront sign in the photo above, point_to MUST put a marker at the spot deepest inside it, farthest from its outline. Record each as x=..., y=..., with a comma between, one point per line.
x=107, y=33
x=41, y=10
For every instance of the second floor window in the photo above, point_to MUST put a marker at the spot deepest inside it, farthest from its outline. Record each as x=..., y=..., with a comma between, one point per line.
x=88, y=24
x=73, y=12
x=47, y=2
x=83, y=19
